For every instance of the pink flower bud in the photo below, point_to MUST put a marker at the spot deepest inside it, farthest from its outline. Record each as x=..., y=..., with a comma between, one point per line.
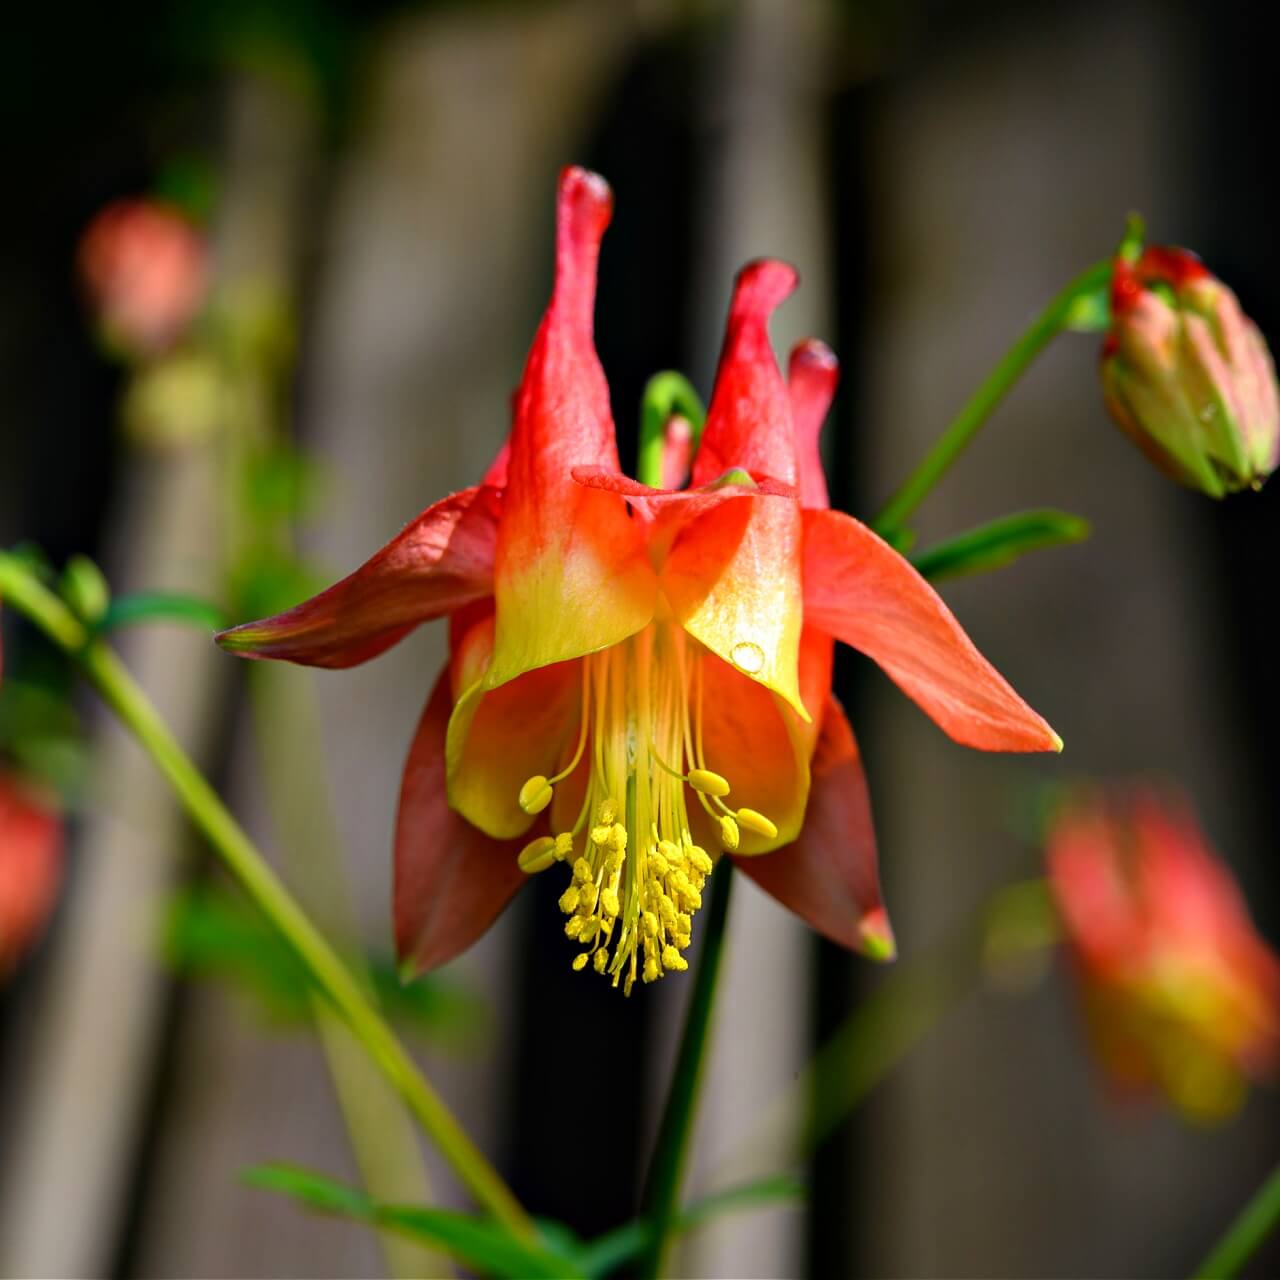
x=30, y=868
x=144, y=268
x=1187, y=375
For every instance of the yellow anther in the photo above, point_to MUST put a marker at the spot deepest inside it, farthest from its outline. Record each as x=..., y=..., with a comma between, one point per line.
x=587, y=897
x=573, y=926
x=758, y=823
x=601, y=835
x=618, y=837
x=658, y=862
x=580, y=961
x=682, y=940
x=710, y=784
x=601, y=961
x=693, y=900
x=684, y=923
x=537, y=855
x=569, y=900
x=581, y=871
x=667, y=911
x=535, y=795
x=609, y=902
x=671, y=851
x=673, y=960
x=649, y=923
x=608, y=813
x=700, y=861
x=590, y=925
x=728, y=833
x=564, y=846
x=651, y=970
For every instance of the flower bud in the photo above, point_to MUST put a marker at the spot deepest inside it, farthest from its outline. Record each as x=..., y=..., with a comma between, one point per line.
x=1187, y=376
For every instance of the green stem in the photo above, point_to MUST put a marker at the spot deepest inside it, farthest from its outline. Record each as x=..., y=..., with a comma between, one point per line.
x=662, y=1190
x=665, y=395
x=965, y=425
x=1256, y=1222
x=21, y=590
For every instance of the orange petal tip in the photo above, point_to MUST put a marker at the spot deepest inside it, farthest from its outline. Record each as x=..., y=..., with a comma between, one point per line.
x=876, y=935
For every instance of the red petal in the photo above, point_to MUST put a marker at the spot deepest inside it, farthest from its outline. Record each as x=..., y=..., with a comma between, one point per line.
x=571, y=573
x=440, y=562
x=500, y=738
x=677, y=452
x=749, y=422
x=857, y=588
x=811, y=380
x=732, y=585
x=829, y=877
x=451, y=880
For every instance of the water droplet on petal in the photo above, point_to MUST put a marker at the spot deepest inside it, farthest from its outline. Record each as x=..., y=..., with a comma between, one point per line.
x=748, y=656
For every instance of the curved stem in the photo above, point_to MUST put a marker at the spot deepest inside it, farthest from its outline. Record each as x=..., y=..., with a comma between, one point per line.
x=665, y=395
x=1257, y=1220
x=965, y=425
x=20, y=589
x=662, y=1189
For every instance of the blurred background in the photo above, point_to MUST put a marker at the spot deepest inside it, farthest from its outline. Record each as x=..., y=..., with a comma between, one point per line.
x=375, y=187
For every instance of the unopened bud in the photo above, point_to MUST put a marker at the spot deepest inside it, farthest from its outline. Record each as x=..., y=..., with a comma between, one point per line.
x=1187, y=375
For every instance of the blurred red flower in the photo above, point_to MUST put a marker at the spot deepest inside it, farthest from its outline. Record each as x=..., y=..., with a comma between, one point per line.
x=144, y=267
x=30, y=867
x=1179, y=991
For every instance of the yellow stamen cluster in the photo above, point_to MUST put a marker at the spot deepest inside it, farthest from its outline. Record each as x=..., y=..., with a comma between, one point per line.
x=637, y=875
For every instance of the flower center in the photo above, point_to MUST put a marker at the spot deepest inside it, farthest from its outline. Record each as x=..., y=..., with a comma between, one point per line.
x=637, y=875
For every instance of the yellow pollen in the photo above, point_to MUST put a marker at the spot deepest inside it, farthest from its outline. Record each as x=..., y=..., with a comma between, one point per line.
x=537, y=855
x=638, y=770
x=535, y=795
x=757, y=822
x=710, y=784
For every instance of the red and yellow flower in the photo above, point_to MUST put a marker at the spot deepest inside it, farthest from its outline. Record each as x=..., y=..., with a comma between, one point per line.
x=1180, y=992
x=624, y=659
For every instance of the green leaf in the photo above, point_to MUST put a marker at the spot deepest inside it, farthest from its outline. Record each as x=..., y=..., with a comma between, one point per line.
x=624, y=1244
x=474, y=1241
x=161, y=606
x=210, y=934
x=994, y=545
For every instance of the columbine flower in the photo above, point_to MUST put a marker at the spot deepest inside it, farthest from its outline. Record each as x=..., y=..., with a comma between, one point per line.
x=625, y=659
x=1187, y=376
x=1179, y=991
x=144, y=267
x=30, y=868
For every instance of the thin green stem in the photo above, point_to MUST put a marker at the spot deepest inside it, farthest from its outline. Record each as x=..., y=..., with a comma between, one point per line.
x=665, y=396
x=1257, y=1220
x=21, y=590
x=966, y=424
x=662, y=1191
